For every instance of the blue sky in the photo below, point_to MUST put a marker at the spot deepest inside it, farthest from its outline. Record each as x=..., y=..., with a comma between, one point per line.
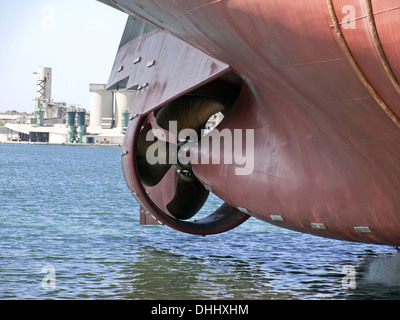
x=78, y=39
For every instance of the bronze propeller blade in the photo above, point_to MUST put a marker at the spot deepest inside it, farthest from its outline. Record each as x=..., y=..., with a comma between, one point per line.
x=190, y=196
x=150, y=174
x=189, y=112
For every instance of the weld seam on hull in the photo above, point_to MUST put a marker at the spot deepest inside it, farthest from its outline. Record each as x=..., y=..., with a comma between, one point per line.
x=356, y=68
x=379, y=47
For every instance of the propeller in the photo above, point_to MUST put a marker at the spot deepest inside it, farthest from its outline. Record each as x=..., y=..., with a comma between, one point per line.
x=189, y=112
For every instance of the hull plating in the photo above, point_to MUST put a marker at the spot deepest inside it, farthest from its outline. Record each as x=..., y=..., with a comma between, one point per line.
x=319, y=88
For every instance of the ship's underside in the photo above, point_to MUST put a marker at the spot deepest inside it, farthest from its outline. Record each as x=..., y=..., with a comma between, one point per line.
x=316, y=81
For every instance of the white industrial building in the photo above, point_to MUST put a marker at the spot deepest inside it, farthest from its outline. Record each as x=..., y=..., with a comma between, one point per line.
x=55, y=123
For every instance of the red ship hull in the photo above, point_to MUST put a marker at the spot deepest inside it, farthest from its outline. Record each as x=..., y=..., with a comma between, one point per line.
x=316, y=81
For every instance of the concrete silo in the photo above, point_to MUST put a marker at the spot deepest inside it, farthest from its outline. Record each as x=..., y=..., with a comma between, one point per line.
x=101, y=106
x=123, y=106
x=43, y=92
x=43, y=87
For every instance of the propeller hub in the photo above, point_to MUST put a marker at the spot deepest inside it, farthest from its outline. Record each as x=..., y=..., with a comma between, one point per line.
x=187, y=175
x=183, y=159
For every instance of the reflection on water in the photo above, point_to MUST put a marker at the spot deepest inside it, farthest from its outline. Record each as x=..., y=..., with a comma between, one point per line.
x=175, y=276
x=171, y=278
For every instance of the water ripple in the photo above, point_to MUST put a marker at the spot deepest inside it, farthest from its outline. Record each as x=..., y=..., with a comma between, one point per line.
x=68, y=207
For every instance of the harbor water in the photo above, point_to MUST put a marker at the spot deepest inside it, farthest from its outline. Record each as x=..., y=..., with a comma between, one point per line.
x=69, y=229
